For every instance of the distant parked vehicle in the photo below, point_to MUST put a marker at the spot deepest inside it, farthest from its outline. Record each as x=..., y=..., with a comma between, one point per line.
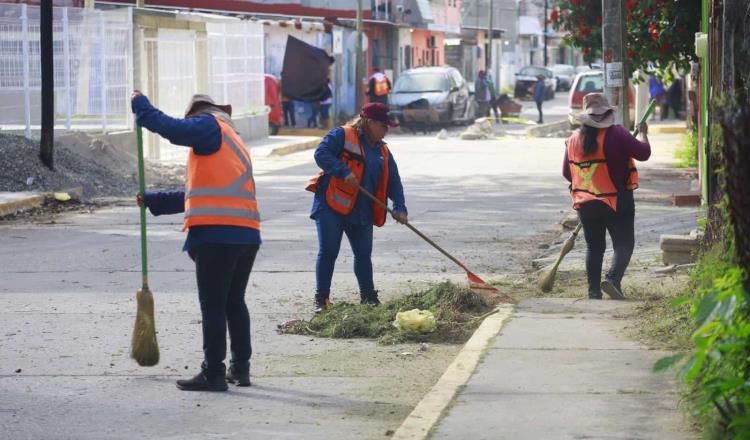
x=592, y=81
x=427, y=97
x=565, y=74
x=526, y=78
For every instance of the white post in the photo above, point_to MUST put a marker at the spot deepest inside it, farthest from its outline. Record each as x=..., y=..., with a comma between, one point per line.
x=26, y=90
x=66, y=68
x=103, y=72
x=641, y=96
x=129, y=71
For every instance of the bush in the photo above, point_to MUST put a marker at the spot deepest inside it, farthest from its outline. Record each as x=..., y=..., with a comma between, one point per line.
x=687, y=154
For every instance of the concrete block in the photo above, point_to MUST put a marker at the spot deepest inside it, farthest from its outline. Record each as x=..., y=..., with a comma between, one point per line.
x=678, y=243
x=686, y=199
x=676, y=257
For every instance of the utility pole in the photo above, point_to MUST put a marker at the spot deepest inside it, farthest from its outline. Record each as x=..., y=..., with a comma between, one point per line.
x=613, y=52
x=488, y=55
x=47, y=143
x=360, y=68
x=546, y=60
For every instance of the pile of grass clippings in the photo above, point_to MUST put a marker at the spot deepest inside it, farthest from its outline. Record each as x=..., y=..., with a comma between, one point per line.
x=458, y=312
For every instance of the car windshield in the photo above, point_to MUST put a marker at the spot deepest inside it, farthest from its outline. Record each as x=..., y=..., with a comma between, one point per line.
x=533, y=71
x=563, y=70
x=590, y=83
x=421, y=82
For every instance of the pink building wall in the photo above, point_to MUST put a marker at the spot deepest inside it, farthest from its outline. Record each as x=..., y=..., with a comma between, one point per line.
x=422, y=53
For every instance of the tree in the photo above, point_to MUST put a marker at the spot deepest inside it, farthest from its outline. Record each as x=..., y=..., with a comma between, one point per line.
x=660, y=32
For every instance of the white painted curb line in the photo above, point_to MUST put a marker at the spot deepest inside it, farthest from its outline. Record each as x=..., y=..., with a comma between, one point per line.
x=427, y=413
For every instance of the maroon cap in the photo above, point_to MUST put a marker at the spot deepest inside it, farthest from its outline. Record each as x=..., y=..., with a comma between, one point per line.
x=377, y=111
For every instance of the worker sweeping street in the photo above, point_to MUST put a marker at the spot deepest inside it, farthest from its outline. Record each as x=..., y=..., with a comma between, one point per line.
x=223, y=224
x=599, y=164
x=353, y=156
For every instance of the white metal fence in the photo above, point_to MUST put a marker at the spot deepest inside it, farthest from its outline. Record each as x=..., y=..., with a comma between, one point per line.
x=93, y=62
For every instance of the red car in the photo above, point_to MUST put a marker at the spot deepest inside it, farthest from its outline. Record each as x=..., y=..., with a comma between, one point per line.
x=273, y=101
x=592, y=81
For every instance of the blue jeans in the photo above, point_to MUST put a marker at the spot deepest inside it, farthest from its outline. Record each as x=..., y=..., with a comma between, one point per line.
x=330, y=227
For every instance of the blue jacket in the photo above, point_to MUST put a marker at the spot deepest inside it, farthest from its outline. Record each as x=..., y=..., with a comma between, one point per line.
x=539, y=91
x=203, y=134
x=327, y=157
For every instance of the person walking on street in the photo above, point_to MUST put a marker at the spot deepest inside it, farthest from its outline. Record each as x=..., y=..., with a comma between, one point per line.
x=351, y=156
x=312, y=121
x=539, y=96
x=599, y=165
x=482, y=94
x=223, y=224
x=378, y=87
x=494, y=99
x=657, y=93
x=325, y=106
x=674, y=98
x=287, y=104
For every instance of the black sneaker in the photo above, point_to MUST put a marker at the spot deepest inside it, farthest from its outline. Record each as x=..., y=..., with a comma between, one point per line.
x=613, y=291
x=241, y=379
x=369, y=298
x=321, y=303
x=201, y=382
x=595, y=295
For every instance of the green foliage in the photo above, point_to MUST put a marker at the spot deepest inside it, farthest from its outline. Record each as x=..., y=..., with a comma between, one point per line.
x=687, y=153
x=718, y=369
x=458, y=312
x=660, y=32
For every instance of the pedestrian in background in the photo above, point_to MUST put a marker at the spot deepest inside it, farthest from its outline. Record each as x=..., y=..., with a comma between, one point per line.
x=539, y=96
x=494, y=98
x=351, y=156
x=657, y=93
x=325, y=106
x=482, y=94
x=312, y=121
x=674, y=98
x=599, y=164
x=378, y=87
x=223, y=224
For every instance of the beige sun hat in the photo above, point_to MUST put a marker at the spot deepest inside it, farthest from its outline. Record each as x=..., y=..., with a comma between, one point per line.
x=205, y=99
x=596, y=112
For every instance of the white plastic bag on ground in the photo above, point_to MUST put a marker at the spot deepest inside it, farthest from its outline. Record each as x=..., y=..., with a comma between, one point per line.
x=415, y=320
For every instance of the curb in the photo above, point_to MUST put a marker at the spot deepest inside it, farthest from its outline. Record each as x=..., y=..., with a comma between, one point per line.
x=418, y=424
x=294, y=148
x=547, y=129
x=33, y=200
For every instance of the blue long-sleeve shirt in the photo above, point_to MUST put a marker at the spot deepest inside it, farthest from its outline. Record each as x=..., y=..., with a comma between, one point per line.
x=539, y=91
x=203, y=134
x=327, y=157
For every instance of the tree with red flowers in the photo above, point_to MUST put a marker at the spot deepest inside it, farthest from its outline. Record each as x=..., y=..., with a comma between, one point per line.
x=660, y=32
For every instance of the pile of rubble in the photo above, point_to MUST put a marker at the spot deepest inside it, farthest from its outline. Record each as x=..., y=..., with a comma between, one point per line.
x=80, y=161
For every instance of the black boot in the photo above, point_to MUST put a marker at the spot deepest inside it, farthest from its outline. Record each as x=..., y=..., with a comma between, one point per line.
x=612, y=289
x=369, y=298
x=202, y=382
x=321, y=302
x=242, y=379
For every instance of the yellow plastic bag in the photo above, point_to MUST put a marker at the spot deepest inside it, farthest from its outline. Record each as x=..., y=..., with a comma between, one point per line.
x=418, y=321
x=62, y=196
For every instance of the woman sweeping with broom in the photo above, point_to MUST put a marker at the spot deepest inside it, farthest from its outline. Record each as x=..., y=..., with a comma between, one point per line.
x=351, y=157
x=223, y=223
x=599, y=165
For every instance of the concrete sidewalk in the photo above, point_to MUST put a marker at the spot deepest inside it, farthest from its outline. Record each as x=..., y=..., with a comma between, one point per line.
x=12, y=202
x=562, y=369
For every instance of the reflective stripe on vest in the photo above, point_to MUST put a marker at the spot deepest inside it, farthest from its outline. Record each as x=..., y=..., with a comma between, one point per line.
x=221, y=202
x=589, y=173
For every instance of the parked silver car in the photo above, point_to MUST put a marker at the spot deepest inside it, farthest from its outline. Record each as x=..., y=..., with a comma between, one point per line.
x=526, y=78
x=565, y=73
x=431, y=96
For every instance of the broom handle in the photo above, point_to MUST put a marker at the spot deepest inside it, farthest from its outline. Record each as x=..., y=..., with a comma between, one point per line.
x=649, y=110
x=416, y=231
x=142, y=192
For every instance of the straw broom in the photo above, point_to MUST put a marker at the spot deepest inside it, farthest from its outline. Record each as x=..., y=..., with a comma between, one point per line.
x=548, y=278
x=144, y=348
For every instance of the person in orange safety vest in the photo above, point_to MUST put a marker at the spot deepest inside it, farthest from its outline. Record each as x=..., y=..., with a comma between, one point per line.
x=378, y=87
x=599, y=165
x=353, y=156
x=223, y=224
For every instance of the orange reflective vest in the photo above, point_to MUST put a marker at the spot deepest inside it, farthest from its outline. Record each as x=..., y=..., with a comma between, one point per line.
x=340, y=196
x=220, y=186
x=590, y=178
x=381, y=85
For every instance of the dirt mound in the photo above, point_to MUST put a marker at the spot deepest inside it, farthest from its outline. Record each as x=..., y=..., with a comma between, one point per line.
x=80, y=161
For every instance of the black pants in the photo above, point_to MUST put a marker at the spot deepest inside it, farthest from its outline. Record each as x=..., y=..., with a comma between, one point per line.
x=598, y=218
x=222, y=271
x=539, y=108
x=288, y=107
